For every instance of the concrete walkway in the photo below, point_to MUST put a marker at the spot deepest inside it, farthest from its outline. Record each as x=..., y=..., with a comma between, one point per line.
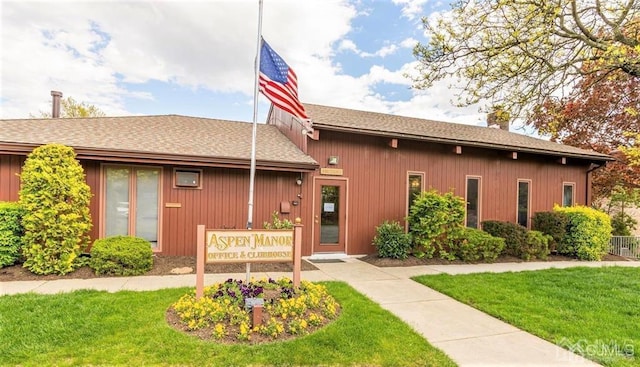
x=468, y=336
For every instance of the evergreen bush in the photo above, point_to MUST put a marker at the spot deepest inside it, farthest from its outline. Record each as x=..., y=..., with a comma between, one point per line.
x=392, y=241
x=622, y=224
x=476, y=245
x=11, y=232
x=121, y=255
x=553, y=224
x=55, y=197
x=515, y=235
x=434, y=219
x=588, y=232
x=536, y=246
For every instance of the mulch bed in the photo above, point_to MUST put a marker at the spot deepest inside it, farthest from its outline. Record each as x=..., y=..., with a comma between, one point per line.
x=162, y=265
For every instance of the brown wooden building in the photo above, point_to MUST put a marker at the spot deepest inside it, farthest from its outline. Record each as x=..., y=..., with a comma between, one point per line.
x=343, y=173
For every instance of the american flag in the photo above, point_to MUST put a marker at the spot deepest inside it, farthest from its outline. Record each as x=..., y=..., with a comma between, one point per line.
x=279, y=83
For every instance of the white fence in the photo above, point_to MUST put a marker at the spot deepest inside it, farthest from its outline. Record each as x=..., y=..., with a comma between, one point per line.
x=627, y=246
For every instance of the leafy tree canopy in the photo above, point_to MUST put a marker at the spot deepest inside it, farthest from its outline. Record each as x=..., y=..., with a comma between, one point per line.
x=601, y=114
x=69, y=107
x=517, y=53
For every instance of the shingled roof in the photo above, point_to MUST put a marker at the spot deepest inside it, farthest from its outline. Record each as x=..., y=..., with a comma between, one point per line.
x=166, y=138
x=393, y=126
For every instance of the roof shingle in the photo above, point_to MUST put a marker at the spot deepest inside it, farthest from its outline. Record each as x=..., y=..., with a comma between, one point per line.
x=372, y=123
x=166, y=134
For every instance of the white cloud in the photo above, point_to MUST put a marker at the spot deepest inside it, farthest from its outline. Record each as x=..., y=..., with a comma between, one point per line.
x=103, y=53
x=411, y=9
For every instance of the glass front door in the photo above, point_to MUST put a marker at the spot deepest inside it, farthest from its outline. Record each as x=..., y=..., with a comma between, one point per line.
x=132, y=202
x=330, y=218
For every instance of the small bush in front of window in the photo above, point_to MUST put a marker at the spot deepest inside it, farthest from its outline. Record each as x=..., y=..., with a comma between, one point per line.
x=433, y=219
x=536, y=246
x=121, y=255
x=552, y=223
x=476, y=245
x=515, y=235
x=392, y=241
x=11, y=232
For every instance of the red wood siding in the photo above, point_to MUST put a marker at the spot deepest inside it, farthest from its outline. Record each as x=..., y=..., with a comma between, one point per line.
x=377, y=176
x=10, y=167
x=221, y=203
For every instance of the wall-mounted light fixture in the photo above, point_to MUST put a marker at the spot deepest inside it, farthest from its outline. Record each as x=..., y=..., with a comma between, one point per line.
x=333, y=160
x=299, y=180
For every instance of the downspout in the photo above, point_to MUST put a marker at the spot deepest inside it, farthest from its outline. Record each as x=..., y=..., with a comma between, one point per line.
x=592, y=167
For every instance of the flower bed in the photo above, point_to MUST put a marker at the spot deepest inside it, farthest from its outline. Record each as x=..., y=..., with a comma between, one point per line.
x=221, y=314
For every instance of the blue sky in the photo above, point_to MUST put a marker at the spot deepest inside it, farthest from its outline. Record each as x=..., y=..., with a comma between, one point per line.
x=196, y=57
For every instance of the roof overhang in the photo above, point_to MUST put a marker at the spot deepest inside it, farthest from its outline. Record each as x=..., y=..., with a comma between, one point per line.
x=168, y=159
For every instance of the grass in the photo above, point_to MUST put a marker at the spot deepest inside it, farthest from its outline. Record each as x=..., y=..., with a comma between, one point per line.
x=129, y=328
x=592, y=311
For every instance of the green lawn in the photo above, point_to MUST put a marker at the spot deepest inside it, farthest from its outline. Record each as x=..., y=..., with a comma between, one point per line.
x=592, y=311
x=128, y=328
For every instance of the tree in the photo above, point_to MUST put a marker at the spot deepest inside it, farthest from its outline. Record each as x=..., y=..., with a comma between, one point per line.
x=601, y=119
x=517, y=53
x=69, y=108
x=55, y=198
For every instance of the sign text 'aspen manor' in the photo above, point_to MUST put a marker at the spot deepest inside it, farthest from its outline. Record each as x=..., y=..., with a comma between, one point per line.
x=227, y=246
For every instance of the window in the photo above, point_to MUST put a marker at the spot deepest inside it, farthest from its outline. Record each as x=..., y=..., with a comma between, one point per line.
x=189, y=178
x=132, y=202
x=473, y=202
x=414, y=188
x=567, y=193
x=524, y=196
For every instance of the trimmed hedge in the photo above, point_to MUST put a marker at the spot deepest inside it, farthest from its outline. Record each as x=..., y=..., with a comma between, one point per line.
x=519, y=241
x=11, y=232
x=433, y=219
x=553, y=224
x=588, y=232
x=536, y=246
x=392, y=241
x=121, y=255
x=515, y=235
x=476, y=245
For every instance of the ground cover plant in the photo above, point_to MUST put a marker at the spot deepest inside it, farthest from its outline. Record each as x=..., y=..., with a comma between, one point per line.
x=130, y=328
x=590, y=311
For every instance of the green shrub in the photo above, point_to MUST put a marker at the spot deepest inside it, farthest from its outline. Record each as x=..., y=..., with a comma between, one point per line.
x=392, y=241
x=536, y=246
x=11, y=232
x=55, y=197
x=433, y=219
x=476, y=245
x=277, y=223
x=553, y=224
x=588, y=232
x=622, y=224
x=121, y=255
x=515, y=235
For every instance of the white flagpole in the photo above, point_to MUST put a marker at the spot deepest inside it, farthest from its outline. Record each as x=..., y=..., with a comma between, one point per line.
x=252, y=172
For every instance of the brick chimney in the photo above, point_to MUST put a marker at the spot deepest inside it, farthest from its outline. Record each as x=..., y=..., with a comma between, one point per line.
x=55, y=106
